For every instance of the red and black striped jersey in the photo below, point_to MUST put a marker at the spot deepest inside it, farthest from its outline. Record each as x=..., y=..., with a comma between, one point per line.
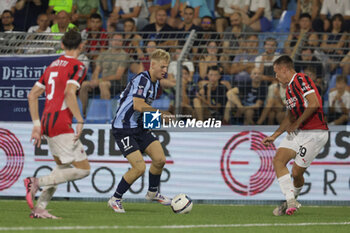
x=298, y=88
x=57, y=118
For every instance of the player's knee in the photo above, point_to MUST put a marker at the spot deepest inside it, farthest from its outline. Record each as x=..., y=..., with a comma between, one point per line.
x=297, y=175
x=140, y=169
x=83, y=173
x=159, y=163
x=276, y=161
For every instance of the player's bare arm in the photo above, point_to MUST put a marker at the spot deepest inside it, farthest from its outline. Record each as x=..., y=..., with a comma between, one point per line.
x=33, y=96
x=141, y=106
x=283, y=126
x=72, y=103
x=313, y=105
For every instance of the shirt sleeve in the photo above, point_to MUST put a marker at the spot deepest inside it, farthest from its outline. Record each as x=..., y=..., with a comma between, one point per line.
x=324, y=9
x=41, y=82
x=305, y=84
x=78, y=75
x=140, y=86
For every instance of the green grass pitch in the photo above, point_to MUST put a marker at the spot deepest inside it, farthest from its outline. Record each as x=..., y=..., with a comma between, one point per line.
x=81, y=216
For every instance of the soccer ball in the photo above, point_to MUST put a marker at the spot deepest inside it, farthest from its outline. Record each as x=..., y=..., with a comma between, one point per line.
x=181, y=204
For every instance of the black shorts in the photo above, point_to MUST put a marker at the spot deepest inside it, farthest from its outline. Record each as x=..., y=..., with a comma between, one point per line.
x=130, y=140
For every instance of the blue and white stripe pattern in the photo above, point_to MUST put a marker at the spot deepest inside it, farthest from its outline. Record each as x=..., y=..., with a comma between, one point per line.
x=140, y=86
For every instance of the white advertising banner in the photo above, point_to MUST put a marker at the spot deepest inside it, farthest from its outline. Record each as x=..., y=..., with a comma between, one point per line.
x=226, y=164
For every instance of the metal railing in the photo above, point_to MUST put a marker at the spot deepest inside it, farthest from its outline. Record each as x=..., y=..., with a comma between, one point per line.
x=203, y=49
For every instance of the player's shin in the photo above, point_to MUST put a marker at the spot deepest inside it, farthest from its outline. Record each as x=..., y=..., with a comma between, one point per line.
x=45, y=197
x=286, y=186
x=153, y=181
x=62, y=174
x=297, y=191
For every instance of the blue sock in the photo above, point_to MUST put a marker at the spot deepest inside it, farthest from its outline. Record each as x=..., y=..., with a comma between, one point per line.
x=123, y=186
x=153, y=181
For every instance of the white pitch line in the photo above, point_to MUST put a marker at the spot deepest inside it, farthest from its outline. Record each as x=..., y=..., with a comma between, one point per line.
x=53, y=228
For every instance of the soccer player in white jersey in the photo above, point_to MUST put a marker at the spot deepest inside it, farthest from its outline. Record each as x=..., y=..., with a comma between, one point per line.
x=132, y=138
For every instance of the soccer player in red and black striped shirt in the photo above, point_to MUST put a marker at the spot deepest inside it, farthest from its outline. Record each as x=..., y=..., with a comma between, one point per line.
x=60, y=81
x=307, y=132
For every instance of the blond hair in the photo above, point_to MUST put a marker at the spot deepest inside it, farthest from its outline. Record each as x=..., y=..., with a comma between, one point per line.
x=160, y=54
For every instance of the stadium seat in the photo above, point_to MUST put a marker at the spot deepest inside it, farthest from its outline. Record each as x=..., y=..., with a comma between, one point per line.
x=99, y=111
x=162, y=103
x=285, y=20
x=80, y=108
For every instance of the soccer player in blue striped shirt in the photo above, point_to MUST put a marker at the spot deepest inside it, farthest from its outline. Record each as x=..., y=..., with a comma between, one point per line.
x=132, y=138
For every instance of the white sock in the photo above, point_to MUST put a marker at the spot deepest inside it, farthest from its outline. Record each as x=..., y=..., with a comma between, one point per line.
x=49, y=190
x=297, y=191
x=286, y=186
x=63, y=174
x=46, y=196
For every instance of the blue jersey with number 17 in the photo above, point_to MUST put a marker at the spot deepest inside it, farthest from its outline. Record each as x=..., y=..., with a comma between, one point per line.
x=140, y=86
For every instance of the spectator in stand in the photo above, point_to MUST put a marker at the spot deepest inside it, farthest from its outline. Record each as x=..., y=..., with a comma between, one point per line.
x=172, y=69
x=154, y=5
x=111, y=65
x=42, y=27
x=43, y=24
x=210, y=58
x=200, y=9
x=274, y=109
x=259, y=15
x=150, y=47
x=339, y=103
x=244, y=62
x=56, y=6
x=189, y=90
x=331, y=8
x=205, y=34
x=27, y=12
x=311, y=71
x=158, y=30
x=176, y=13
x=333, y=44
x=345, y=64
x=234, y=34
x=131, y=45
x=96, y=38
x=7, y=5
x=304, y=26
x=307, y=58
x=226, y=8
x=63, y=23
x=7, y=22
x=210, y=100
x=247, y=100
x=311, y=7
x=132, y=40
x=188, y=24
x=125, y=9
x=265, y=61
x=82, y=11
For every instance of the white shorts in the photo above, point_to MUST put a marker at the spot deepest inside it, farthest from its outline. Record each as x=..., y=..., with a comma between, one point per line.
x=63, y=147
x=307, y=144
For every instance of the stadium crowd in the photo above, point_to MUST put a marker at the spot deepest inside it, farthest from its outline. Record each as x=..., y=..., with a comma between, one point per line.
x=227, y=72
